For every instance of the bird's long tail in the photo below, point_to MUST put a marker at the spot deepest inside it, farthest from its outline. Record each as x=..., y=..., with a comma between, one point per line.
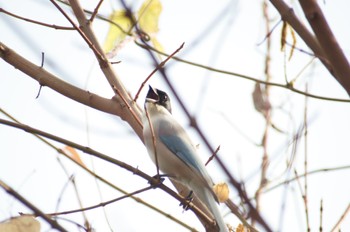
x=208, y=198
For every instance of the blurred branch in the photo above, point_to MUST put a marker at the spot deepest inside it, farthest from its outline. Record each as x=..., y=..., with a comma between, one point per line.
x=103, y=180
x=161, y=65
x=341, y=219
x=288, y=86
x=262, y=103
x=321, y=215
x=111, y=106
x=97, y=52
x=102, y=204
x=324, y=45
x=151, y=180
x=133, y=114
x=193, y=123
x=305, y=196
x=307, y=174
x=328, y=42
x=35, y=22
x=95, y=11
x=288, y=15
x=36, y=211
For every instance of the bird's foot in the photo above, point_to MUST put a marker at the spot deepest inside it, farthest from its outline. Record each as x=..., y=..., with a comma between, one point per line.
x=189, y=199
x=157, y=180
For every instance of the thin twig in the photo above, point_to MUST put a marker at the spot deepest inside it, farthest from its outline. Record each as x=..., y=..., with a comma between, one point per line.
x=269, y=32
x=333, y=52
x=305, y=197
x=213, y=155
x=341, y=219
x=103, y=180
x=91, y=45
x=102, y=204
x=345, y=167
x=285, y=86
x=160, y=65
x=95, y=11
x=287, y=14
x=45, y=78
x=153, y=181
x=116, y=90
x=36, y=22
x=36, y=211
x=321, y=215
x=267, y=110
x=253, y=212
x=154, y=141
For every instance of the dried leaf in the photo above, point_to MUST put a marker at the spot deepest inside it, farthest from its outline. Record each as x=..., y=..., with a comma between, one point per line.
x=222, y=192
x=20, y=224
x=284, y=31
x=283, y=35
x=294, y=38
x=74, y=154
x=240, y=228
x=261, y=102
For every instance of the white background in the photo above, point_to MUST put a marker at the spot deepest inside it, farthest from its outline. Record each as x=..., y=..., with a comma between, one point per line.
x=222, y=104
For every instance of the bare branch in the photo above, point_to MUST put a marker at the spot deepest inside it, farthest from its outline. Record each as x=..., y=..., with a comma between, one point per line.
x=287, y=14
x=328, y=42
x=36, y=211
x=95, y=11
x=153, y=181
x=250, y=78
x=341, y=219
x=98, y=177
x=87, y=98
x=115, y=83
x=324, y=45
x=161, y=65
x=102, y=204
x=35, y=22
x=45, y=78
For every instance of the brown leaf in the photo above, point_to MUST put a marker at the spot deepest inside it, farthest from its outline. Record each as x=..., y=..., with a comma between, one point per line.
x=70, y=151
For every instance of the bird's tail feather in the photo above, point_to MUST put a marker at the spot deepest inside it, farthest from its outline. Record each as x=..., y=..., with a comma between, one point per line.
x=212, y=205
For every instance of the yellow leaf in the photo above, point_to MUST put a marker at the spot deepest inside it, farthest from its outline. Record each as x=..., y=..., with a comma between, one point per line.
x=117, y=30
x=74, y=154
x=222, y=192
x=148, y=15
x=158, y=46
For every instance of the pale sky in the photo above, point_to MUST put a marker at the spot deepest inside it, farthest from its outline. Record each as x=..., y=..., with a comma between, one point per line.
x=222, y=104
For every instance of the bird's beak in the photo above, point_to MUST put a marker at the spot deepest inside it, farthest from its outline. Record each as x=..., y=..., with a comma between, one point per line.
x=152, y=94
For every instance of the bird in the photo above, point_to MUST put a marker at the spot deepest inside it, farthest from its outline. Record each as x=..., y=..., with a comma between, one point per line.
x=171, y=149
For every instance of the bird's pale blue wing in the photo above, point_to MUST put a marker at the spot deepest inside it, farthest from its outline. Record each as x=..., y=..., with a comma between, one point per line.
x=175, y=139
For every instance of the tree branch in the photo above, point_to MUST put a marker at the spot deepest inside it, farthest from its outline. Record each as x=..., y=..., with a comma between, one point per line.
x=324, y=46
x=328, y=42
x=288, y=86
x=37, y=211
x=112, y=106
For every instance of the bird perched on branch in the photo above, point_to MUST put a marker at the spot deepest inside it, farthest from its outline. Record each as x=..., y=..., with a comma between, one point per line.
x=171, y=149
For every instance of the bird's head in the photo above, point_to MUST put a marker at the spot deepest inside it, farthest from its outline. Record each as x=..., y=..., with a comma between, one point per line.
x=158, y=97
